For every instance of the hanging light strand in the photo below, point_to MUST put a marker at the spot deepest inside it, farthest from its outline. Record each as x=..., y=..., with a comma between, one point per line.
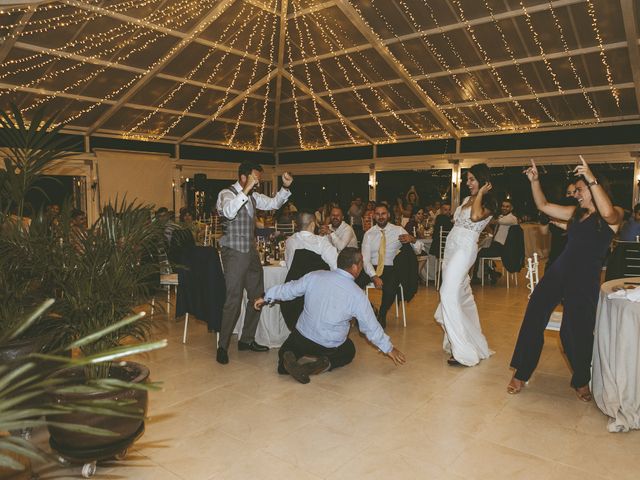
x=470, y=96
x=492, y=67
x=603, y=55
x=167, y=98
x=272, y=62
x=252, y=77
x=572, y=65
x=308, y=76
x=340, y=115
x=321, y=22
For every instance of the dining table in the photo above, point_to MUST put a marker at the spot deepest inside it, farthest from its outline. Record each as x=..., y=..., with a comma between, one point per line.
x=616, y=354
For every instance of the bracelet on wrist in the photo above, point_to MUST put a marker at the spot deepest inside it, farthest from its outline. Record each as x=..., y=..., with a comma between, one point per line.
x=593, y=182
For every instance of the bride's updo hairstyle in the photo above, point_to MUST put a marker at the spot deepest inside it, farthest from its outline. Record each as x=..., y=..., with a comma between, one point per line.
x=483, y=175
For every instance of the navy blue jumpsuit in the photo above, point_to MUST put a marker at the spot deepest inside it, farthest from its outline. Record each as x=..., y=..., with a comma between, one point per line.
x=574, y=279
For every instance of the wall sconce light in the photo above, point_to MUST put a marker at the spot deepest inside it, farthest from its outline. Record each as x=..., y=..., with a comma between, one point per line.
x=372, y=183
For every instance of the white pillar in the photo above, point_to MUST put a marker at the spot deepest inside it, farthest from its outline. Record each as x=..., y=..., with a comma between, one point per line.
x=456, y=177
x=373, y=182
x=636, y=178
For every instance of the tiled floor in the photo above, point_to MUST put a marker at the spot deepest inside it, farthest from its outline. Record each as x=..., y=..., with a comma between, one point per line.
x=371, y=419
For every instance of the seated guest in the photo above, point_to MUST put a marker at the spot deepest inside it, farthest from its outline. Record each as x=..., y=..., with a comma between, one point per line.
x=285, y=215
x=380, y=245
x=442, y=222
x=631, y=229
x=415, y=226
x=331, y=300
x=339, y=233
x=502, y=223
x=306, y=239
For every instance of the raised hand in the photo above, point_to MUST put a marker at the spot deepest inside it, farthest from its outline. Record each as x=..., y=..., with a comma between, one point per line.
x=287, y=179
x=252, y=182
x=583, y=170
x=532, y=172
x=485, y=188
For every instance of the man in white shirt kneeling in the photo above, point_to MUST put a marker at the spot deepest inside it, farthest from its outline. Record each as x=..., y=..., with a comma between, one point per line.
x=331, y=300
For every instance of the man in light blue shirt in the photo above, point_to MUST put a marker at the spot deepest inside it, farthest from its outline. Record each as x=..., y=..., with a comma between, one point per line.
x=331, y=300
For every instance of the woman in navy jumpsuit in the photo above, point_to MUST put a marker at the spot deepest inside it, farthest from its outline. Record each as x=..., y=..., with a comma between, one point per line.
x=574, y=279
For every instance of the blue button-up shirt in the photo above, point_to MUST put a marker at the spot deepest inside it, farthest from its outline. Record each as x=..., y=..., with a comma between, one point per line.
x=331, y=300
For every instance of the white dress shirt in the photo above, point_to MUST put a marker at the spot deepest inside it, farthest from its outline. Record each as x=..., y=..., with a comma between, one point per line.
x=343, y=237
x=331, y=300
x=229, y=204
x=504, y=222
x=371, y=245
x=315, y=243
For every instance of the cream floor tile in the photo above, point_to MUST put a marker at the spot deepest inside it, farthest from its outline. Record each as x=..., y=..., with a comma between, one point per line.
x=317, y=449
x=376, y=463
x=485, y=460
x=263, y=466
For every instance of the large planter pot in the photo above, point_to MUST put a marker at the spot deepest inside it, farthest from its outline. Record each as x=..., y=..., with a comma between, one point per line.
x=17, y=349
x=84, y=446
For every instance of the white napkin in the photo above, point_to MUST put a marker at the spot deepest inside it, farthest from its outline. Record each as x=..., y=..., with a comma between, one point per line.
x=632, y=295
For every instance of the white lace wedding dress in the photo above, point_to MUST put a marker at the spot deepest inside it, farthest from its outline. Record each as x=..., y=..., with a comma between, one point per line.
x=457, y=312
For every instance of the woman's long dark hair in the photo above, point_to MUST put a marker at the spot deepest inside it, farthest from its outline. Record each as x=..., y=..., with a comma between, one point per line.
x=483, y=175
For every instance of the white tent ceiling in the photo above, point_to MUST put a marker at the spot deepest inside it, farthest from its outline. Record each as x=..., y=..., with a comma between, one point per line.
x=230, y=72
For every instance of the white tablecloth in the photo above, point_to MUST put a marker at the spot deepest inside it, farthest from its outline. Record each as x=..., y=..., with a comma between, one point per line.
x=272, y=331
x=616, y=359
x=536, y=239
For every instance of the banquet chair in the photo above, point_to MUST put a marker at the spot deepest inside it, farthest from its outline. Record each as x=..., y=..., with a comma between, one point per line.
x=509, y=274
x=533, y=276
x=286, y=228
x=167, y=280
x=442, y=242
x=404, y=313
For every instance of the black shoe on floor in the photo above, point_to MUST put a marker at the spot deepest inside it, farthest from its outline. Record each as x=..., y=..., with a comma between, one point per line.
x=317, y=366
x=222, y=356
x=292, y=366
x=253, y=346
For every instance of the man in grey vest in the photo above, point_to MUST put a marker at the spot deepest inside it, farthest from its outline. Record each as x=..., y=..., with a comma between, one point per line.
x=237, y=205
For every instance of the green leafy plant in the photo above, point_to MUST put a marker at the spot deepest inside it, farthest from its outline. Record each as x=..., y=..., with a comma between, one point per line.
x=27, y=381
x=29, y=148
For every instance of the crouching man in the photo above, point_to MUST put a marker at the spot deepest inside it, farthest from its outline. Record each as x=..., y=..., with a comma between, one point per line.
x=331, y=300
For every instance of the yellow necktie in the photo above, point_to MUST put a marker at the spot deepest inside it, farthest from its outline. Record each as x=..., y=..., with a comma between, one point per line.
x=382, y=251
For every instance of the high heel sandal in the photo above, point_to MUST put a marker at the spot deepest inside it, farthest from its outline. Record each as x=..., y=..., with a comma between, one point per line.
x=515, y=386
x=584, y=395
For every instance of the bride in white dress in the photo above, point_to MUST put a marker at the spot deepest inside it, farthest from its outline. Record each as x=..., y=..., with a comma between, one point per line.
x=457, y=312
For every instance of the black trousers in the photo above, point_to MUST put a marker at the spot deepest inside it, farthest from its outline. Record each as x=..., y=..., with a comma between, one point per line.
x=390, y=284
x=302, y=346
x=580, y=301
x=493, y=250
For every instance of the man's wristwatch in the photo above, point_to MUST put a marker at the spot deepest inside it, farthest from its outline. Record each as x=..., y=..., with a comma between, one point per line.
x=592, y=183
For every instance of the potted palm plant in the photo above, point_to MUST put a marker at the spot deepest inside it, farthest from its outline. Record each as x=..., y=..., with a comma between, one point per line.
x=97, y=277
x=26, y=384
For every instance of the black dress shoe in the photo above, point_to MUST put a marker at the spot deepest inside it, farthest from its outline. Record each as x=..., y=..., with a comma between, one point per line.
x=253, y=346
x=222, y=356
x=296, y=370
x=317, y=366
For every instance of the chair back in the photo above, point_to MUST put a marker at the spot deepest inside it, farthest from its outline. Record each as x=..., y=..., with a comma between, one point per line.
x=442, y=242
x=287, y=228
x=532, y=273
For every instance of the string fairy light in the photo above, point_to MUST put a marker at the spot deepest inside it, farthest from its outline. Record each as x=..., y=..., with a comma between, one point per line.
x=463, y=64
x=574, y=70
x=408, y=103
x=254, y=69
x=308, y=76
x=323, y=29
x=265, y=103
x=517, y=65
x=603, y=56
x=443, y=63
x=332, y=100
x=190, y=75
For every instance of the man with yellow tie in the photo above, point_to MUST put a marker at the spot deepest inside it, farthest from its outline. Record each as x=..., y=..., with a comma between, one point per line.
x=380, y=245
